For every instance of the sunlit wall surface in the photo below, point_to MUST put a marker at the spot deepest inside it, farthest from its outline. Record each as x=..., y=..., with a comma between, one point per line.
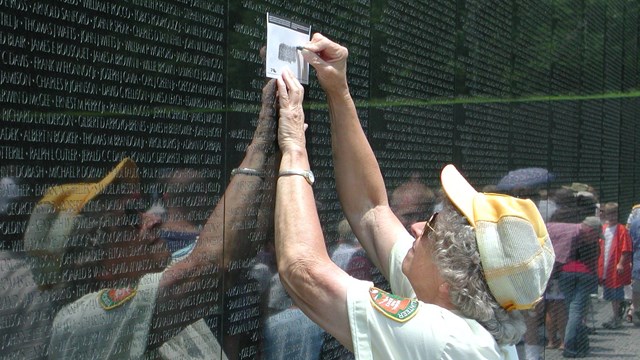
x=176, y=87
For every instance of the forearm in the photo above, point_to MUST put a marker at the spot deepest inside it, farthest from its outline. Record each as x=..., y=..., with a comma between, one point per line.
x=227, y=233
x=358, y=177
x=224, y=236
x=359, y=182
x=238, y=203
x=235, y=217
x=624, y=258
x=302, y=254
x=315, y=283
x=298, y=232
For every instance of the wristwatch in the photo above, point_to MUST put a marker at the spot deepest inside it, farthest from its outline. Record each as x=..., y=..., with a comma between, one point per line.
x=307, y=174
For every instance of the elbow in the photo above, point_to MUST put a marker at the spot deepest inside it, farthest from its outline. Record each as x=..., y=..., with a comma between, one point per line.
x=301, y=277
x=294, y=273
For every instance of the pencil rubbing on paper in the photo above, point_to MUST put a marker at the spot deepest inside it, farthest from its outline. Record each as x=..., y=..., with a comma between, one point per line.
x=287, y=53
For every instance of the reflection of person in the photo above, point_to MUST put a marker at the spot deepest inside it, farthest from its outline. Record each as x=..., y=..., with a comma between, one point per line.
x=555, y=315
x=155, y=312
x=411, y=200
x=614, y=264
x=349, y=255
x=288, y=332
x=578, y=280
x=51, y=271
x=347, y=245
x=564, y=231
x=9, y=191
x=11, y=194
x=575, y=254
x=26, y=308
x=54, y=269
x=442, y=306
x=178, y=229
x=54, y=233
x=120, y=251
x=633, y=224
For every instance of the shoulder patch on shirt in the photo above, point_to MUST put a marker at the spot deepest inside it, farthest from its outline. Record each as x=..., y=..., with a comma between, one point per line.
x=112, y=298
x=395, y=307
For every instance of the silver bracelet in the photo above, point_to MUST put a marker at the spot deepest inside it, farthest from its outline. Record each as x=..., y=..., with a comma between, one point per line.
x=307, y=174
x=247, y=171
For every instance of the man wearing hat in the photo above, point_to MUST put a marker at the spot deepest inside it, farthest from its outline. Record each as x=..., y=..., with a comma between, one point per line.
x=149, y=309
x=457, y=287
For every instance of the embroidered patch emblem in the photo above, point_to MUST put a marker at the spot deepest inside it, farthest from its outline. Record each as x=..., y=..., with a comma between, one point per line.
x=392, y=306
x=112, y=298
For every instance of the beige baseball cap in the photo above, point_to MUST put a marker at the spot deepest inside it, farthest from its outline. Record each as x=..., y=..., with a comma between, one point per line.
x=515, y=250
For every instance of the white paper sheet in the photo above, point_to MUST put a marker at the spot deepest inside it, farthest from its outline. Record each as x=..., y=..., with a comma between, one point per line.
x=283, y=38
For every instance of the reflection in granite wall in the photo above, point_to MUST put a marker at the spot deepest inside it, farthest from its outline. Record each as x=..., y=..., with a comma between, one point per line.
x=122, y=122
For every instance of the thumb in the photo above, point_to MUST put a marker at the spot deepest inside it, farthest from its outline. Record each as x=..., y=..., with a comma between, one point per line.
x=313, y=59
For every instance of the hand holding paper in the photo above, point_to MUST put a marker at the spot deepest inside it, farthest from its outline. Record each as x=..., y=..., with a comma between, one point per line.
x=284, y=40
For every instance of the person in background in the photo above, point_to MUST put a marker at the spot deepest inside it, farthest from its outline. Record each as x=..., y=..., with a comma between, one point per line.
x=578, y=280
x=451, y=295
x=347, y=245
x=633, y=225
x=614, y=263
x=28, y=306
x=411, y=200
x=353, y=258
x=178, y=229
x=566, y=232
x=555, y=319
x=288, y=332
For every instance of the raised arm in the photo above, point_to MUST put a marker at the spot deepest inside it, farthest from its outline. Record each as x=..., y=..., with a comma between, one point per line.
x=360, y=185
x=225, y=237
x=316, y=285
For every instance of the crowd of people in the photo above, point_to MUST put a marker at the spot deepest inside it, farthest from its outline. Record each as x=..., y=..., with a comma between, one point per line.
x=469, y=274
